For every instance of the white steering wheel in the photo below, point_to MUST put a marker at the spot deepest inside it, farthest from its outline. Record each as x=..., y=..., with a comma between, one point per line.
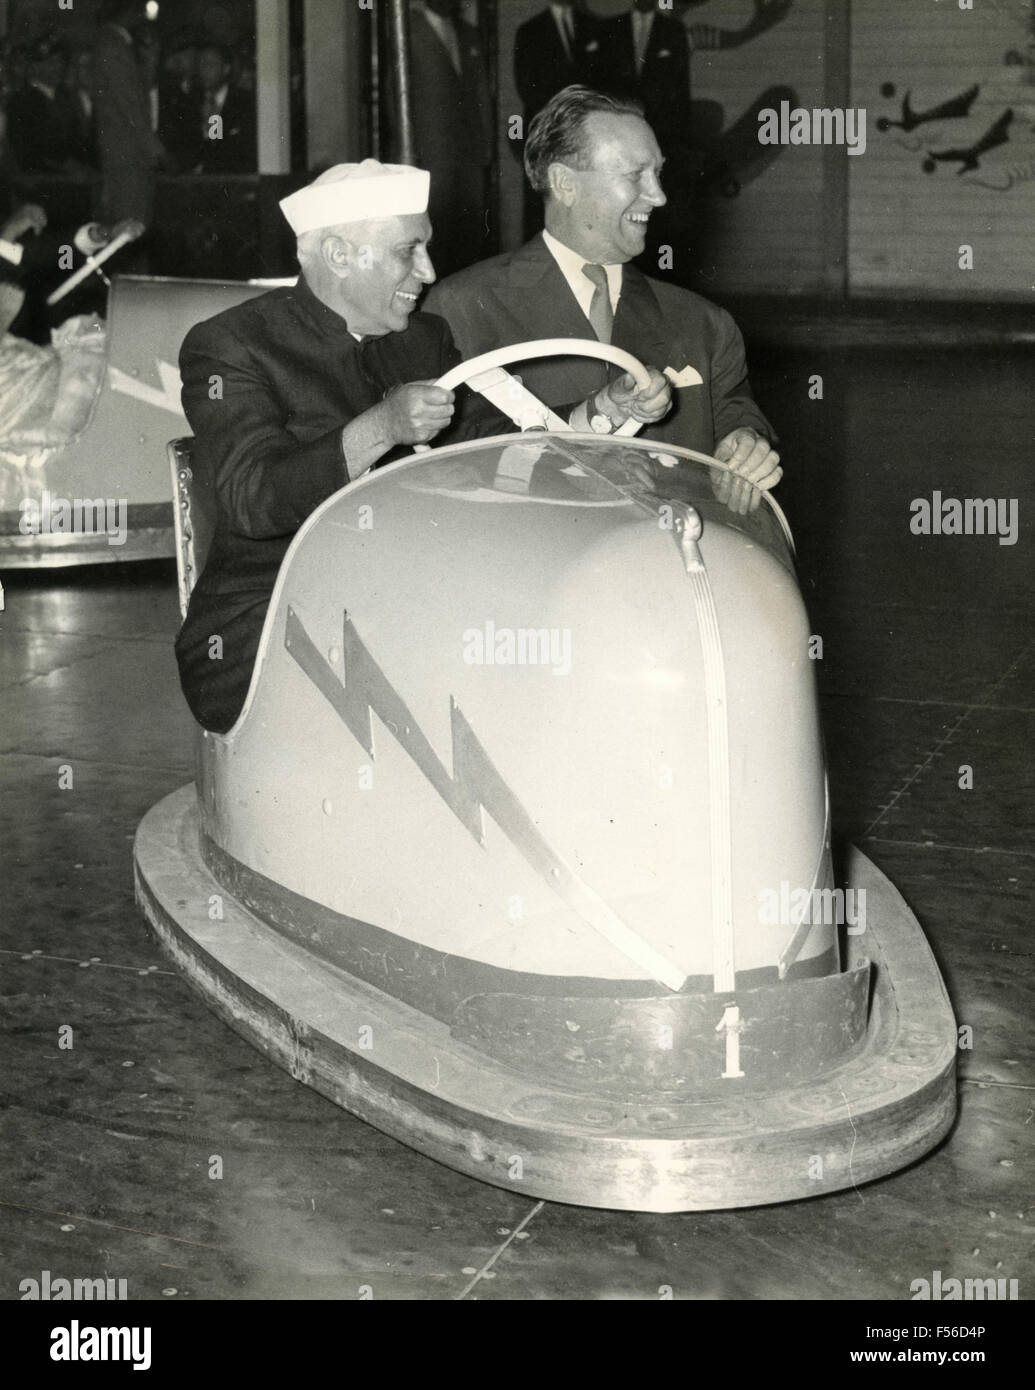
x=124, y=233
x=485, y=375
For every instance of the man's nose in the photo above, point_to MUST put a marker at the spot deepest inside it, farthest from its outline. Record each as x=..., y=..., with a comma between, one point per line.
x=655, y=192
x=425, y=270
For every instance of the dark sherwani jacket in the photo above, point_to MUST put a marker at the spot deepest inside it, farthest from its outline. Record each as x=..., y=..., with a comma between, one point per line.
x=287, y=376
x=523, y=295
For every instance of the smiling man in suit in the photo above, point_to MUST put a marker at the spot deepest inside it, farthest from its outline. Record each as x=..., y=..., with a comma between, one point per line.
x=597, y=163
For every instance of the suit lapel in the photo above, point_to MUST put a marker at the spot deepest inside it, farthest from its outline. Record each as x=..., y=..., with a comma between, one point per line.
x=536, y=293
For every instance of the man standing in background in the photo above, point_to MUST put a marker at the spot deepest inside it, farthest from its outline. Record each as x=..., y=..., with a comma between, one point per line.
x=130, y=151
x=550, y=53
x=37, y=129
x=452, y=124
x=227, y=125
x=645, y=54
x=76, y=99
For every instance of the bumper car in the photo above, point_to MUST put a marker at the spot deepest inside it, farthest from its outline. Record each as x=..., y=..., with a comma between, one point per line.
x=520, y=847
x=100, y=451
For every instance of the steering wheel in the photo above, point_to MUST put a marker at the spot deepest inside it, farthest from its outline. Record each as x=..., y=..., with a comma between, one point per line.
x=124, y=233
x=485, y=375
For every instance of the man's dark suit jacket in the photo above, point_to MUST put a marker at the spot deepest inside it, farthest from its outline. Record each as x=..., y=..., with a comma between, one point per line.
x=663, y=84
x=523, y=295
x=179, y=123
x=38, y=131
x=80, y=128
x=128, y=148
x=542, y=67
x=452, y=112
x=268, y=387
x=238, y=150
x=452, y=128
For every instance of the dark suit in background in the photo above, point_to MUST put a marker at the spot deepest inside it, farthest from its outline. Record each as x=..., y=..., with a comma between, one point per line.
x=452, y=120
x=38, y=132
x=543, y=66
x=237, y=151
x=663, y=82
x=662, y=86
x=79, y=126
x=128, y=148
x=179, y=127
x=523, y=295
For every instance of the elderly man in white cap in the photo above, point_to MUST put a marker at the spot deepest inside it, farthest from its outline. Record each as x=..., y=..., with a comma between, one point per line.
x=293, y=394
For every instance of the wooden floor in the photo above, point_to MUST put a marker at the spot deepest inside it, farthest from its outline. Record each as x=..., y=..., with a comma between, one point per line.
x=109, y=1148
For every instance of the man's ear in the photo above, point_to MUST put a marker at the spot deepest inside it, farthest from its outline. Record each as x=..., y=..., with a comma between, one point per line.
x=560, y=184
x=336, y=254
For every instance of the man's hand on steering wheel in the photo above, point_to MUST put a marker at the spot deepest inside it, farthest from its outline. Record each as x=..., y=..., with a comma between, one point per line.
x=416, y=412
x=622, y=401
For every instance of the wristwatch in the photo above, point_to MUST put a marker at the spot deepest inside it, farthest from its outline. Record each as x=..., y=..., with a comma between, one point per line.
x=600, y=423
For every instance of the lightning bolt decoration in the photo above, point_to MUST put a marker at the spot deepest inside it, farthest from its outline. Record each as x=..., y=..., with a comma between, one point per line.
x=165, y=397
x=475, y=785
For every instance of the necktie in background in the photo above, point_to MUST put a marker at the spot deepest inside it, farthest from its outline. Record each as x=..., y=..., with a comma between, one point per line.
x=600, y=315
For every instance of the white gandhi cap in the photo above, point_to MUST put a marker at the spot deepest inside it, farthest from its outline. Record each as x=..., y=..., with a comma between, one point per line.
x=357, y=193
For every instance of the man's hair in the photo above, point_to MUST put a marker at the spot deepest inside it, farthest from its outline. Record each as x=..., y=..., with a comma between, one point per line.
x=557, y=134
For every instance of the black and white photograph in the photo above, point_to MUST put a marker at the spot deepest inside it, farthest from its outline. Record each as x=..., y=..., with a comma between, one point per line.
x=517, y=668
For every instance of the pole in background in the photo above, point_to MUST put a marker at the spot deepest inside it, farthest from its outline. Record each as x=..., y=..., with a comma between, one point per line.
x=402, y=149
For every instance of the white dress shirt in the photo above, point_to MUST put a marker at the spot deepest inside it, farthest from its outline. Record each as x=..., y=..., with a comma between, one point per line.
x=571, y=264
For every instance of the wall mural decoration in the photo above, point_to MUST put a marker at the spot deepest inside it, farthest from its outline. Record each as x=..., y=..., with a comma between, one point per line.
x=995, y=153
x=733, y=152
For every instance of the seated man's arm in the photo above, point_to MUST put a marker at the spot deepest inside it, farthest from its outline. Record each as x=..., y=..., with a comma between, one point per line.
x=266, y=480
x=733, y=404
x=743, y=436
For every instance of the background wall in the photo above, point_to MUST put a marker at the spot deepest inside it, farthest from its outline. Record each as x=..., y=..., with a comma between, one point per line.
x=910, y=206
x=816, y=220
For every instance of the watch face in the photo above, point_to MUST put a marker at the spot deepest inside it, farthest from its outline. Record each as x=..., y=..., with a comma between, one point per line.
x=600, y=424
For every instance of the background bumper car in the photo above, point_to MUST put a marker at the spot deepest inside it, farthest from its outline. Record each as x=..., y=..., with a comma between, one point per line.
x=86, y=423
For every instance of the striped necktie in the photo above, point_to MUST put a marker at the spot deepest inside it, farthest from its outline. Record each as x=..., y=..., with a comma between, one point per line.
x=600, y=315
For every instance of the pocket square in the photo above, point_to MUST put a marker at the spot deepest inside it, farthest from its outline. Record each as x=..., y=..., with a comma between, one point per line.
x=689, y=376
